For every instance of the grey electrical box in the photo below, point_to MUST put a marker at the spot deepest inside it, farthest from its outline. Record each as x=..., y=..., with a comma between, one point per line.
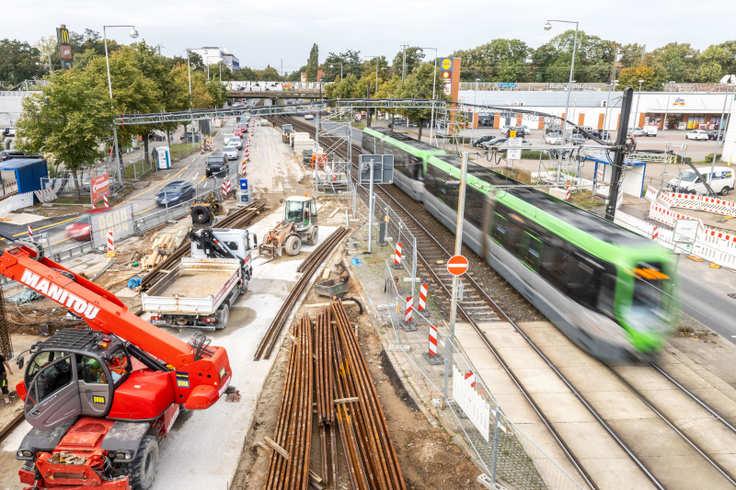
x=383, y=169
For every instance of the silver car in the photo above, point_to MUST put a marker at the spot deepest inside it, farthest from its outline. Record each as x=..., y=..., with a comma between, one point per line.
x=230, y=152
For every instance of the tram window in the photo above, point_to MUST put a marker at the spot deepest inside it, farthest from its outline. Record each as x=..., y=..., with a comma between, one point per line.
x=513, y=235
x=414, y=167
x=452, y=193
x=530, y=251
x=369, y=143
x=649, y=286
x=498, y=230
x=607, y=294
x=474, y=206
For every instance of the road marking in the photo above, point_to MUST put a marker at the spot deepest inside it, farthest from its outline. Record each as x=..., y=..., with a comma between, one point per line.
x=47, y=226
x=157, y=185
x=196, y=175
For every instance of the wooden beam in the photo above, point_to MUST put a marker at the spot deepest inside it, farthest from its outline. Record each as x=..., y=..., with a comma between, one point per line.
x=347, y=400
x=277, y=448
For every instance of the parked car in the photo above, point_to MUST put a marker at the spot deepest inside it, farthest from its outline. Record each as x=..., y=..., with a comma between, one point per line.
x=576, y=139
x=80, y=230
x=715, y=133
x=190, y=138
x=487, y=145
x=216, y=164
x=602, y=134
x=553, y=138
x=688, y=182
x=9, y=132
x=637, y=132
x=308, y=117
x=697, y=134
x=482, y=139
x=176, y=193
x=552, y=128
x=230, y=152
x=520, y=130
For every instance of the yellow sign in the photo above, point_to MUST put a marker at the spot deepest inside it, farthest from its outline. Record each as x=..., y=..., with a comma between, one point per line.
x=98, y=399
x=512, y=134
x=446, y=64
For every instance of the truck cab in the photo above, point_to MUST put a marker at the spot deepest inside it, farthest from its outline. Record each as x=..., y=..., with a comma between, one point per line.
x=236, y=241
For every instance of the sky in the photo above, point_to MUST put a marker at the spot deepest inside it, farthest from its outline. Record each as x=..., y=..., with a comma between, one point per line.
x=276, y=32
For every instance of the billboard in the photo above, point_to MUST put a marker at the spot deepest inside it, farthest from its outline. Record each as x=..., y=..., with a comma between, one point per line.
x=99, y=187
x=65, y=49
x=119, y=220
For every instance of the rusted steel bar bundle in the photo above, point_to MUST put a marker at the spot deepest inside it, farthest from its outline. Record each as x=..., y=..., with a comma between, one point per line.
x=378, y=457
x=272, y=334
x=294, y=425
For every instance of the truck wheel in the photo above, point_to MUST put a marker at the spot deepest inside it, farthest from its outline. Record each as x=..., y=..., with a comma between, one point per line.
x=314, y=237
x=293, y=245
x=201, y=215
x=142, y=471
x=724, y=191
x=223, y=316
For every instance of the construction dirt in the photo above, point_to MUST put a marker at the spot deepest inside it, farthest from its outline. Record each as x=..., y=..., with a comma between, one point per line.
x=428, y=456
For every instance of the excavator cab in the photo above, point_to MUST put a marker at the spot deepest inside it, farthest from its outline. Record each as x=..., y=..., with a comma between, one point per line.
x=302, y=211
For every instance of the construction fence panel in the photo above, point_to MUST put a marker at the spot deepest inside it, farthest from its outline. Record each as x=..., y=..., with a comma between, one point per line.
x=17, y=201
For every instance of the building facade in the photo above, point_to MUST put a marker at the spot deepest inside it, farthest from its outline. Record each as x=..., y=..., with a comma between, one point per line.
x=215, y=55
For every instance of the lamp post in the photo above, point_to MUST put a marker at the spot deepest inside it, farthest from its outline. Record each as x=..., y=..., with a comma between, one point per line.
x=666, y=108
x=189, y=72
x=718, y=133
x=472, y=118
x=134, y=34
x=434, y=85
x=332, y=66
x=547, y=27
x=636, y=118
x=611, y=84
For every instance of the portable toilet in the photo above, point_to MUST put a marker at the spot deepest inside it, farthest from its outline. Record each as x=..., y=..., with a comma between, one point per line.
x=28, y=172
x=164, y=157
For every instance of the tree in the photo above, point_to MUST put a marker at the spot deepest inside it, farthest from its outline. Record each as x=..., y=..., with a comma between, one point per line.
x=351, y=63
x=630, y=77
x=594, y=58
x=69, y=119
x=729, y=50
x=18, y=62
x=46, y=46
x=631, y=55
x=501, y=60
x=296, y=75
x=313, y=64
x=419, y=85
x=414, y=56
x=269, y=74
x=676, y=61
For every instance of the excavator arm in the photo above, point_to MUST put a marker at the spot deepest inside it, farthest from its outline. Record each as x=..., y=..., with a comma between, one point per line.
x=202, y=371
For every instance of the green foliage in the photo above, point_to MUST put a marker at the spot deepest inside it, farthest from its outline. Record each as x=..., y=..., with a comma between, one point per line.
x=594, y=58
x=313, y=64
x=18, y=61
x=414, y=56
x=351, y=64
x=631, y=54
x=501, y=60
x=419, y=85
x=69, y=119
x=630, y=77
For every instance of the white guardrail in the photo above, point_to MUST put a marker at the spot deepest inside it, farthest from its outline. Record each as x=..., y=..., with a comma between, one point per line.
x=17, y=201
x=712, y=244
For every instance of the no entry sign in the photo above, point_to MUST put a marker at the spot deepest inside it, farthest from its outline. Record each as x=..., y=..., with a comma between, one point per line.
x=457, y=265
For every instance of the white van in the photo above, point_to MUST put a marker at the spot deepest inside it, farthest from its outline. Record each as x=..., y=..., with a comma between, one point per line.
x=650, y=130
x=721, y=181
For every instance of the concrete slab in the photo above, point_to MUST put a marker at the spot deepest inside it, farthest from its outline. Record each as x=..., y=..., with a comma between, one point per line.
x=24, y=218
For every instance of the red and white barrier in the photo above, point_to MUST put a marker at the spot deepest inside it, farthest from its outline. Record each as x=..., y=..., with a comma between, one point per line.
x=409, y=309
x=94, y=206
x=433, y=340
x=110, y=245
x=470, y=378
x=397, y=256
x=46, y=195
x=30, y=231
x=567, y=193
x=107, y=204
x=226, y=188
x=422, y=297
x=655, y=233
x=243, y=168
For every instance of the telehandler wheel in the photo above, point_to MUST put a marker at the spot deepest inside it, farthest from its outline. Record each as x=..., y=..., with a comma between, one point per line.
x=142, y=471
x=201, y=215
x=293, y=245
x=314, y=237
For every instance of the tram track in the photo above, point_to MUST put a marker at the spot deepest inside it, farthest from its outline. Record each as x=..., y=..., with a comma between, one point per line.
x=431, y=253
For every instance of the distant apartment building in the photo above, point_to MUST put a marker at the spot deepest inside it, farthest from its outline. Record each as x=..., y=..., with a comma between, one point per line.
x=214, y=55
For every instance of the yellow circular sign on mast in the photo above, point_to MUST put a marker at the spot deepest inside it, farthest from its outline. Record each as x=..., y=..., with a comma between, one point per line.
x=446, y=64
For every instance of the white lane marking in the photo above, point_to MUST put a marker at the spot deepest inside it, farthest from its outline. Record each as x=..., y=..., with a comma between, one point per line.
x=196, y=175
x=205, y=184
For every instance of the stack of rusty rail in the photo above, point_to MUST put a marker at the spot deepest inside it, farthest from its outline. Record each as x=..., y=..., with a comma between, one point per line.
x=289, y=465
x=346, y=401
x=309, y=267
x=237, y=219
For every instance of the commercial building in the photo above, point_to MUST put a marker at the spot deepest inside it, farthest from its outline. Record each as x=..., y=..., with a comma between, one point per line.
x=602, y=110
x=214, y=55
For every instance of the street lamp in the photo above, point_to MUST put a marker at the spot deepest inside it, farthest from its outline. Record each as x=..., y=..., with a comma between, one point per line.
x=472, y=118
x=721, y=127
x=332, y=66
x=547, y=27
x=134, y=34
x=434, y=84
x=634, y=122
x=611, y=84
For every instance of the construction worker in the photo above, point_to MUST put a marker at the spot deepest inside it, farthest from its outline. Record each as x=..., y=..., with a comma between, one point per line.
x=4, y=378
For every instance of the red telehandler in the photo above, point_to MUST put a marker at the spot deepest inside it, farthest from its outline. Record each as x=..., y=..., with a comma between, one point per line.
x=101, y=398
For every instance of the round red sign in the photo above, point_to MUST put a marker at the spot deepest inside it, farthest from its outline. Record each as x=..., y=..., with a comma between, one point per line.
x=457, y=265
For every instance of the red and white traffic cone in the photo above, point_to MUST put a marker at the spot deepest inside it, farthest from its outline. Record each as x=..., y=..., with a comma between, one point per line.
x=110, y=245
x=422, y=297
x=409, y=309
x=397, y=257
x=433, y=340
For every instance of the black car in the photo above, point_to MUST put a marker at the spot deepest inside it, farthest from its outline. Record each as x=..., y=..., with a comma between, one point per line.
x=176, y=193
x=493, y=142
x=602, y=134
x=482, y=139
x=217, y=164
x=9, y=132
x=715, y=133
